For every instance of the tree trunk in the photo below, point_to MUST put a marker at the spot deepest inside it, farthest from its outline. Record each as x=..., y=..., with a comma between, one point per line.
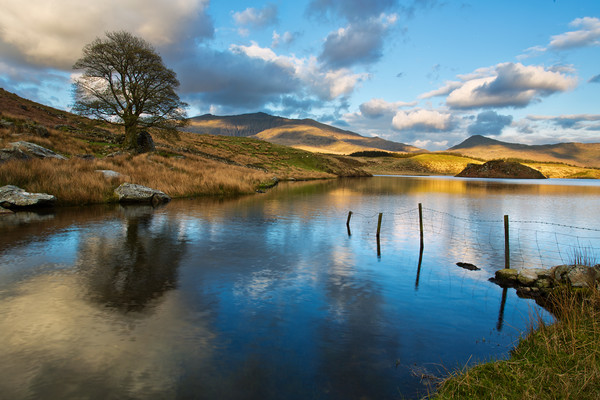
x=130, y=137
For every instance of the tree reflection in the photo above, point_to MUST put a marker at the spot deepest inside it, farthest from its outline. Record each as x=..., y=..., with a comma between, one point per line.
x=128, y=271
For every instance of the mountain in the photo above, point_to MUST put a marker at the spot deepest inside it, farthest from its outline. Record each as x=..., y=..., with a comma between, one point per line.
x=306, y=134
x=579, y=154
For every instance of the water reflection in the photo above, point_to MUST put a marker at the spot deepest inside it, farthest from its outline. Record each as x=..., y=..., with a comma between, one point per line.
x=129, y=269
x=265, y=296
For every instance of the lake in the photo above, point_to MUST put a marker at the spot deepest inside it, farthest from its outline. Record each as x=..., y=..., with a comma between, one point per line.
x=272, y=296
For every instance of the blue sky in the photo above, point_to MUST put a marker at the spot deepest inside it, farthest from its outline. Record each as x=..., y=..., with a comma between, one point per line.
x=424, y=72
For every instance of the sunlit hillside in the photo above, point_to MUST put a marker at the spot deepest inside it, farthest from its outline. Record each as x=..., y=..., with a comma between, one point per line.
x=188, y=165
x=303, y=134
x=579, y=154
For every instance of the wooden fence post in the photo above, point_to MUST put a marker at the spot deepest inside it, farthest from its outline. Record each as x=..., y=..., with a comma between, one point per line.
x=421, y=222
x=348, y=222
x=379, y=231
x=506, y=244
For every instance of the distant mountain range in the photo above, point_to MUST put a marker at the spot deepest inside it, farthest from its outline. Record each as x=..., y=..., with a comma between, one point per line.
x=580, y=154
x=306, y=134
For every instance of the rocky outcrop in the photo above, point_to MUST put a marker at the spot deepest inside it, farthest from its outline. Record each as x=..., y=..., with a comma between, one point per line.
x=26, y=150
x=534, y=282
x=500, y=169
x=145, y=143
x=13, y=197
x=132, y=193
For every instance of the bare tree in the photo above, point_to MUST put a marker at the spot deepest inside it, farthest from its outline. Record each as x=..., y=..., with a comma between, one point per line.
x=125, y=80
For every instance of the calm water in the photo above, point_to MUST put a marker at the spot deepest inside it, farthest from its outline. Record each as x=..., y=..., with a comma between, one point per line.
x=269, y=296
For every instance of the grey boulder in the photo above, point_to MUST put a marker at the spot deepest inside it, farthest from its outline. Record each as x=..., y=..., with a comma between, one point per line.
x=15, y=197
x=132, y=193
x=24, y=150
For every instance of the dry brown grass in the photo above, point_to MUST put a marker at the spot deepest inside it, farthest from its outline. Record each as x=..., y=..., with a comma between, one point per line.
x=76, y=181
x=189, y=165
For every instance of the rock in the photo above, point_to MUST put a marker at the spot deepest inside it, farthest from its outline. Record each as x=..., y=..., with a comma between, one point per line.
x=468, y=266
x=145, y=143
x=543, y=283
x=5, y=124
x=110, y=174
x=13, y=154
x=577, y=275
x=560, y=272
x=527, y=277
x=39, y=130
x=500, y=169
x=506, y=276
x=132, y=193
x=15, y=197
x=34, y=150
x=581, y=276
x=5, y=211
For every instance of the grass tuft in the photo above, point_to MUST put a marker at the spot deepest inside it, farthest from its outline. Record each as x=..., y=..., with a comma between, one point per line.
x=561, y=360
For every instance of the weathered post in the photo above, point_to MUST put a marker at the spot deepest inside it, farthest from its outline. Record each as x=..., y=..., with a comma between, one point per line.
x=379, y=231
x=419, y=268
x=421, y=222
x=506, y=244
x=348, y=222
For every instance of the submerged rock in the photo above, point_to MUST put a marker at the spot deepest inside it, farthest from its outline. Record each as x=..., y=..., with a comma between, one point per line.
x=15, y=197
x=468, y=266
x=132, y=193
x=500, y=169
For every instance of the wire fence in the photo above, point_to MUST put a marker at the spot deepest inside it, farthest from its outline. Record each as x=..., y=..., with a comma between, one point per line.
x=531, y=244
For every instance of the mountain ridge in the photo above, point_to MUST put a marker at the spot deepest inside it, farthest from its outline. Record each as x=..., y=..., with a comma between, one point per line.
x=575, y=153
x=306, y=134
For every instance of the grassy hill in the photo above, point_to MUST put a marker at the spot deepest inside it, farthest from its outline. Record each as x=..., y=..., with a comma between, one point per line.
x=578, y=154
x=191, y=165
x=305, y=134
x=442, y=163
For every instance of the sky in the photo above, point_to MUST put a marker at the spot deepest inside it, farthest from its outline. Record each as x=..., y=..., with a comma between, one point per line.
x=429, y=73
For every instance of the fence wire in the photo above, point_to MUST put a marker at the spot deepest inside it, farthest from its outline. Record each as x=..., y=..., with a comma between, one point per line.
x=532, y=244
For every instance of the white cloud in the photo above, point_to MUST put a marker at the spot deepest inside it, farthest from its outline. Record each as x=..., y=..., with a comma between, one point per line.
x=326, y=84
x=422, y=120
x=283, y=39
x=375, y=108
x=573, y=121
x=52, y=33
x=358, y=43
x=255, y=18
x=587, y=35
x=443, y=91
x=430, y=144
x=507, y=85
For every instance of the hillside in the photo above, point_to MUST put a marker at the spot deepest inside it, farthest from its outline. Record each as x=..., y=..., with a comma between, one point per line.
x=190, y=165
x=579, y=154
x=305, y=134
